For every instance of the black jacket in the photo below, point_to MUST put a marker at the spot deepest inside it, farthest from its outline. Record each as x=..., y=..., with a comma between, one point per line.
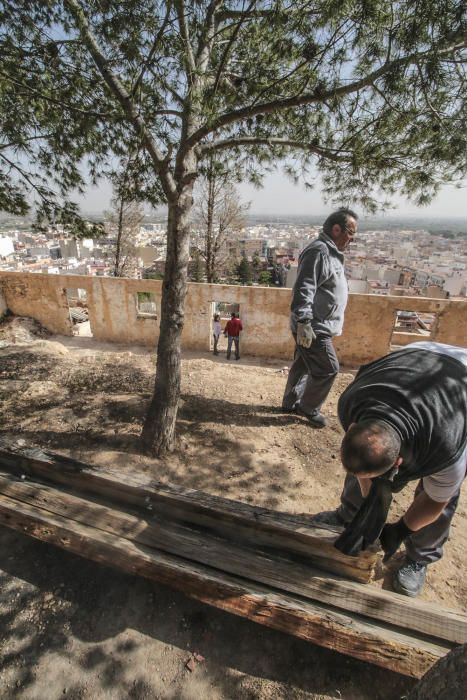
x=423, y=396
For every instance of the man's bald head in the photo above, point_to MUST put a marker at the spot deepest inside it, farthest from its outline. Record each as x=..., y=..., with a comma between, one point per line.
x=370, y=447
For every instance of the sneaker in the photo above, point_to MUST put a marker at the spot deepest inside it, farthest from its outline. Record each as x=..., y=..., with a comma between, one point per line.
x=328, y=517
x=316, y=419
x=410, y=578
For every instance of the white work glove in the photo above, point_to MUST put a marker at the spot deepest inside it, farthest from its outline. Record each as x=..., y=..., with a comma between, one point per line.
x=305, y=334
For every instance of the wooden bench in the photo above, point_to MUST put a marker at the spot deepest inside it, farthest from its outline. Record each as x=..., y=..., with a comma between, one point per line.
x=270, y=567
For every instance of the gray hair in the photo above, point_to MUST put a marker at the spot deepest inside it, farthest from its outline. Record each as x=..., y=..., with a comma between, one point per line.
x=340, y=217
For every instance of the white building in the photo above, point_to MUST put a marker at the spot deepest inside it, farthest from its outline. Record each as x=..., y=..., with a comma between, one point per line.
x=456, y=285
x=358, y=286
x=6, y=247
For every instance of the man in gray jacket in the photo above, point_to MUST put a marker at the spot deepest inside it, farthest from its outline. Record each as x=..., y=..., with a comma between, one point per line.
x=318, y=303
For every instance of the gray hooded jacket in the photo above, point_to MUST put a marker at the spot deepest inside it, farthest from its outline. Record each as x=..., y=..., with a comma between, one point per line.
x=320, y=291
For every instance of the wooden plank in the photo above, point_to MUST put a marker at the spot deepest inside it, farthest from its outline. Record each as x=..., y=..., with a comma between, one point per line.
x=345, y=633
x=228, y=518
x=277, y=572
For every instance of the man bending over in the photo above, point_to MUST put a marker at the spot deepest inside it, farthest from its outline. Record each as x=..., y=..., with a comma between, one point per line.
x=405, y=417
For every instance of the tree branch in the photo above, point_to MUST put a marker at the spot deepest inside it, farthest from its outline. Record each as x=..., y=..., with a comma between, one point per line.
x=331, y=41
x=49, y=98
x=205, y=42
x=330, y=154
x=434, y=111
x=230, y=44
x=236, y=14
x=282, y=79
x=122, y=96
x=385, y=99
x=30, y=181
x=318, y=96
x=152, y=51
x=166, y=86
x=356, y=133
x=23, y=142
x=162, y=112
x=180, y=7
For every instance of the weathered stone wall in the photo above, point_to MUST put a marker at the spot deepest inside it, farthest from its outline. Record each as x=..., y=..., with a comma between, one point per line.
x=264, y=312
x=370, y=318
x=39, y=296
x=113, y=310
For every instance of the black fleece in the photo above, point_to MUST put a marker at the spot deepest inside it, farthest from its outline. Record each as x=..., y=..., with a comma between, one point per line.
x=423, y=396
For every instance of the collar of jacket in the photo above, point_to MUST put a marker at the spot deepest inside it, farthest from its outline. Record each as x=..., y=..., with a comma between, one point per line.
x=331, y=245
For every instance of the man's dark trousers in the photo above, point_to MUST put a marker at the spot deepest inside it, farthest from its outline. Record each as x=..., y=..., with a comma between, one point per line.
x=235, y=339
x=425, y=545
x=311, y=376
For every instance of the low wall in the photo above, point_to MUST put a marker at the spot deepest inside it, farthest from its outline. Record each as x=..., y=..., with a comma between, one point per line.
x=113, y=314
x=370, y=319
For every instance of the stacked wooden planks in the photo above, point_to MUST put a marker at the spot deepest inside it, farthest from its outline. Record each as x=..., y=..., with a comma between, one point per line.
x=267, y=566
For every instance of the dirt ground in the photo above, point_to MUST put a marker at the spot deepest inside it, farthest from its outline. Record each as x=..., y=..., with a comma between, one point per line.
x=70, y=628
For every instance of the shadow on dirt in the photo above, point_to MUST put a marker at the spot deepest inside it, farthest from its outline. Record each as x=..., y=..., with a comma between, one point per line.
x=76, y=629
x=114, y=633
x=112, y=422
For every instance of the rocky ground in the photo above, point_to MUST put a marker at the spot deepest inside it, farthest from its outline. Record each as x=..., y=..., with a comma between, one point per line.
x=73, y=629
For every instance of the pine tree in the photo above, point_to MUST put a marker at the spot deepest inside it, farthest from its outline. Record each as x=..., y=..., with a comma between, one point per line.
x=256, y=265
x=265, y=278
x=244, y=271
x=371, y=94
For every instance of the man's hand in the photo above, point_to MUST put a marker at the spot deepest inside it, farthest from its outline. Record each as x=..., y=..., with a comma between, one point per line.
x=305, y=334
x=392, y=536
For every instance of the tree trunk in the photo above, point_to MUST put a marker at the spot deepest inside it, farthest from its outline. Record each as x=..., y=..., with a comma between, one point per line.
x=159, y=427
x=117, y=270
x=210, y=264
x=446, y=680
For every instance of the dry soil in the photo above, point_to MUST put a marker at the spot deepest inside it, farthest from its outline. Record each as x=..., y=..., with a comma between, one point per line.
x=70, y=628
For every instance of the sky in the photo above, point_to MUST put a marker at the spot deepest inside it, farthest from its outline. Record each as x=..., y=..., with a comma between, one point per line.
x=279, y=196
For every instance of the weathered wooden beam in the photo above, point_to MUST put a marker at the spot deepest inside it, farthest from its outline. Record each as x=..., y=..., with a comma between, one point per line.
x=349, y=634
x=250, y=524
x=275, y=571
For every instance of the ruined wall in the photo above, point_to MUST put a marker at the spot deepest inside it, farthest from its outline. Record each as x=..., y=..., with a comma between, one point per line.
x=264, y=312
x=370, y=318
x=114, y=317
x=39, y=296
x=113, y=310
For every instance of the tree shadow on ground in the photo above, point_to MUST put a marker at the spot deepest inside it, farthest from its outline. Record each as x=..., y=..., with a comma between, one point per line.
x=228, y=461
x=129, y=637
x=103, y=409
x=228, y=474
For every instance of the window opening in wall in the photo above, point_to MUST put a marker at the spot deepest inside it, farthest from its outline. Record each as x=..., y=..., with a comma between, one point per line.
x=224, y=309
x=146, y=306
x=411, y=326
x=79, y=313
